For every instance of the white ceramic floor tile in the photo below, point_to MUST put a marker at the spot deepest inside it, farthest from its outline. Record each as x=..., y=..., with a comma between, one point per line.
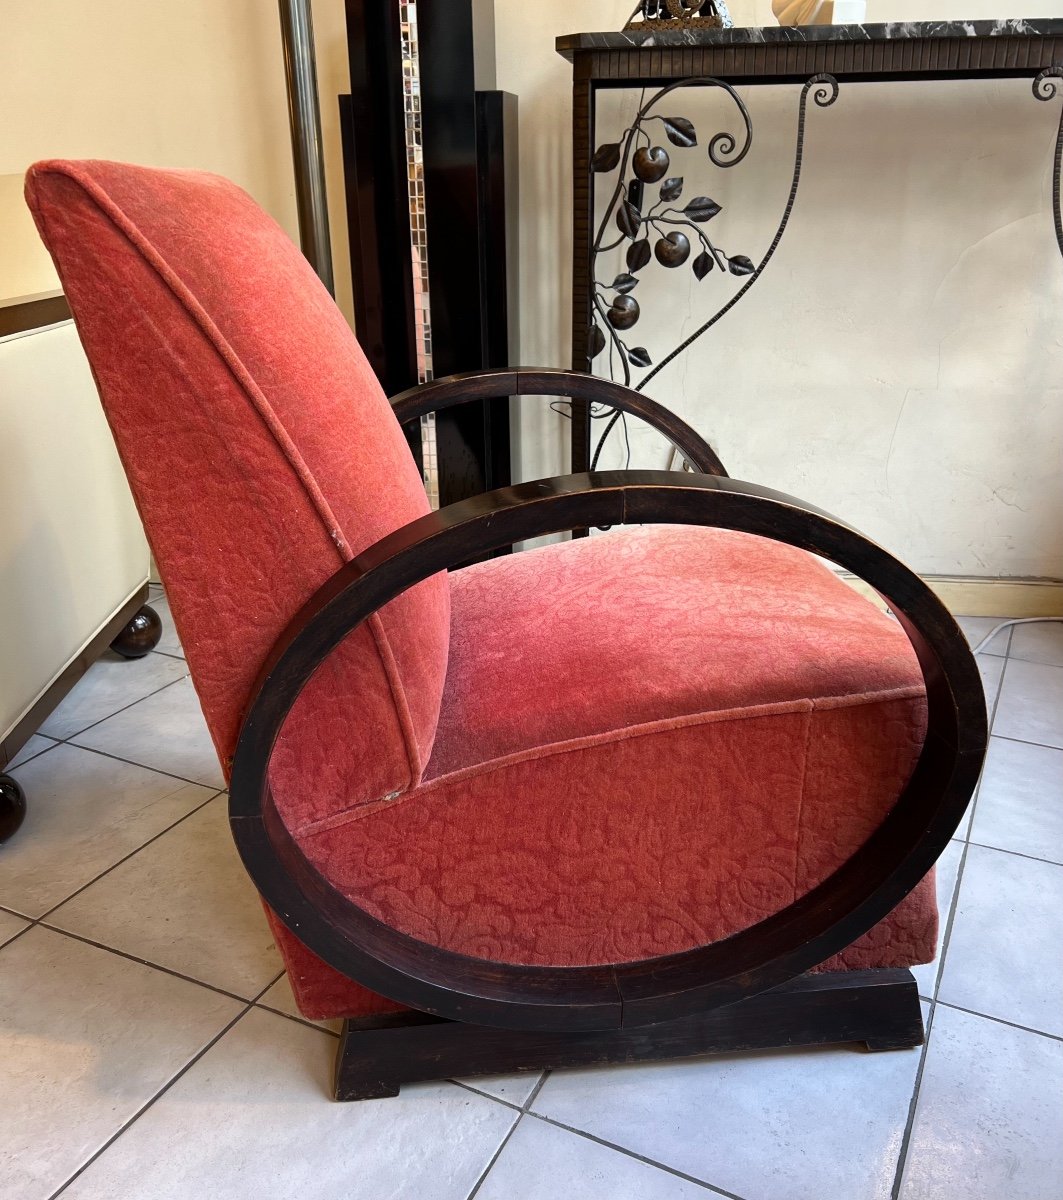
x=542, y=1162
x=798, y=1125
x=85, y=812
x=948, y=871
x=514, y=1089
x=166, y=732
x=989, y=1123
x=186, y=903
x=1004, y=954
x=109, y=684
x=10, y=926
x=976, y=628
x=88, y=1038
x=252, y=1121
x=1040, y=643
x=1031, y=704
x=34, y=746
x=991, y=670
x=168, y=643
x=280, y=999
x=1020, y=802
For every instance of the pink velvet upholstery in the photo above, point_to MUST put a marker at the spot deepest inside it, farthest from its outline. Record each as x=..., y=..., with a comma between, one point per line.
x=595, y=752
x=262, y=455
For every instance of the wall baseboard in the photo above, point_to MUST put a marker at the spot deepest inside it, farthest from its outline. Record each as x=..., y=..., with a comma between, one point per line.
x=972, y=597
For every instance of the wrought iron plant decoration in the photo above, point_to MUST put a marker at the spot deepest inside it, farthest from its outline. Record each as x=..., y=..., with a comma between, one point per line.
x=647, y=211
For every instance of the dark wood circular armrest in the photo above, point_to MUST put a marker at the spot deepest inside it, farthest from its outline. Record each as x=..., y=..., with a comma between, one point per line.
x=545, y=381
x=807, y=932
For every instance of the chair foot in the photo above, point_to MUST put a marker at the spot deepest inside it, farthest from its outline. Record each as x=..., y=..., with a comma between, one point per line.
x=878, y=1008
x=12, y=807
x=900, y=1042
x=140, y=635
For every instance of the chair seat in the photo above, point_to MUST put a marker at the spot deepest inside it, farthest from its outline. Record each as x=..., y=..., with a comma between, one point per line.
x=648, y=740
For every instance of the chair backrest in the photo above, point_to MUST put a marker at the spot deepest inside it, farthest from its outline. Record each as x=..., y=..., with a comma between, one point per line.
x=262, y=454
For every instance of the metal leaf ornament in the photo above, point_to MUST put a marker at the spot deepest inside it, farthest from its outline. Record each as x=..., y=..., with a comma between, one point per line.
x=658, y=231
x=643, y=208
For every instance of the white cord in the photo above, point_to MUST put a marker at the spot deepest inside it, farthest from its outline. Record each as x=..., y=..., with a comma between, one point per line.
x=1009, y=625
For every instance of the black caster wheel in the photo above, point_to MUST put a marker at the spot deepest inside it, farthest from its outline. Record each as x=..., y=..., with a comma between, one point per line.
x=12, y=807
x=140, y=636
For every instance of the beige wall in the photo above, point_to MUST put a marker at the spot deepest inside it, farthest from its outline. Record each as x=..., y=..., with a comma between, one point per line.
x=900, y=363
x=181, y=83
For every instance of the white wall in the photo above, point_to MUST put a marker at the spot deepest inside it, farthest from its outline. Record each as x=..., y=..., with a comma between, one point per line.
x=901, y=361
x=178, y=83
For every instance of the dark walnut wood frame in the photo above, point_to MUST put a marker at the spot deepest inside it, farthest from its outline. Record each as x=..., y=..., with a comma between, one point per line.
x=748, y=990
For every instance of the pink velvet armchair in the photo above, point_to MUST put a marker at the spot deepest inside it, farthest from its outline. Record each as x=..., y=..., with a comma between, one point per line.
x=494, y=830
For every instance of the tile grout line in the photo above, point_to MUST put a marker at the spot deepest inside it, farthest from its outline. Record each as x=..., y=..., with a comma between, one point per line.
x=144, y=767
x=913, y=1106
x=125, y=858
x=496, y=1156
x=972, y=1012
x=649, y=1162
x=143, y=962
x=1023, y=742
x=1049, y=862
x=124, y=707
x=298, y=1020
x=521, y=1113
x=17, y=766
x=249, y=1005
x=33, y=922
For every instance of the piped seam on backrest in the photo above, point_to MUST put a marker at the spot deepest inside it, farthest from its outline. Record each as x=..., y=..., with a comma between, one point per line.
x=153, y=258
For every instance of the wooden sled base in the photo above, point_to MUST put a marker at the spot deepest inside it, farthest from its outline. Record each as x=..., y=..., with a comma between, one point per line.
x=879, y=1008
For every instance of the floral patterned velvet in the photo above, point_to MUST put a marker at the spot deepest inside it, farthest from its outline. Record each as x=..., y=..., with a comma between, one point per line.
x=593, y=752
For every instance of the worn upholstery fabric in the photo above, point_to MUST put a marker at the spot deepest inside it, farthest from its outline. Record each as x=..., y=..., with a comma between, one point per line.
x=648, y=740
x=261, y=453
x=593, y=752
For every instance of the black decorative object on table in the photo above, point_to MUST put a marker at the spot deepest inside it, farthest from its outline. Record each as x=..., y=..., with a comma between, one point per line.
x=814, y=56
x=684, y=14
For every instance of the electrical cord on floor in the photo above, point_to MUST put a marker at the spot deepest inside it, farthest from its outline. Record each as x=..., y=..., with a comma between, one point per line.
x=1010, y=625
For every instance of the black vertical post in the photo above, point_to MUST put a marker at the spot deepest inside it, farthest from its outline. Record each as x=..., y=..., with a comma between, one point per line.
x=582, y=242
x=469, y=157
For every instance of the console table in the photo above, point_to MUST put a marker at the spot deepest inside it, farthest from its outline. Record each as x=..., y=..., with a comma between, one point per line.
x=816, y=56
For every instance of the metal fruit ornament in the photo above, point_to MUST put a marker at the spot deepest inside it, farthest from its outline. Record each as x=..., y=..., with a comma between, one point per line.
x=624, y=312
x=651, y=163
x=673, y=250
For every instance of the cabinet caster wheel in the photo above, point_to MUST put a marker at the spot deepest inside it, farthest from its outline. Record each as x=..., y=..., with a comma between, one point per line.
x=12, y=807
x=140, y=636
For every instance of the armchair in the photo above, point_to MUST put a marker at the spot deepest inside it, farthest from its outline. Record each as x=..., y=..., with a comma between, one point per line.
x=670, y=790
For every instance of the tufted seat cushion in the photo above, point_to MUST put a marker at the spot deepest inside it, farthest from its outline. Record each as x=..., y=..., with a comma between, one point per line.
x=648, y=740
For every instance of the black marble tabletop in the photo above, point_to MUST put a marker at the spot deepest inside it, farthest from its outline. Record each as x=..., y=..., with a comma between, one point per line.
x=790, y=34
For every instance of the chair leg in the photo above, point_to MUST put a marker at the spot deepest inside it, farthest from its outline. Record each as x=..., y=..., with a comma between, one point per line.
x=140, y=635
x=12, y=807
x=878, y=1008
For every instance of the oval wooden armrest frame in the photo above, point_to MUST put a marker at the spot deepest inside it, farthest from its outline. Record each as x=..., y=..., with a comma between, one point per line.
x=805, y=933
x=545, y=381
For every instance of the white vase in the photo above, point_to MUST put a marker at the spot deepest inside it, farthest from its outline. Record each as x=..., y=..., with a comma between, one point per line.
x=820, y=12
